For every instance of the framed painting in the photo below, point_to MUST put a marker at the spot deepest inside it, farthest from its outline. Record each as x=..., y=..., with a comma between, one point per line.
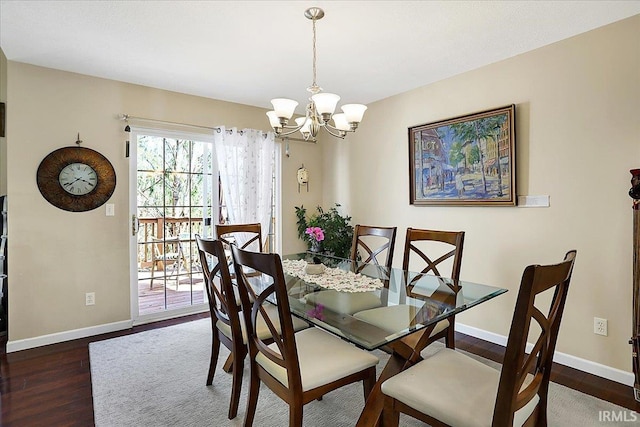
x=464, y=161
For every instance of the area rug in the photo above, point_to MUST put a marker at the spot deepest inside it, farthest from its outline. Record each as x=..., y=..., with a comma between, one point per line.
x=157, y=378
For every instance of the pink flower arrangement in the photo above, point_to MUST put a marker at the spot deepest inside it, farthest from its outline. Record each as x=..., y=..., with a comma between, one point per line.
x=317, y=312
x=316, y=234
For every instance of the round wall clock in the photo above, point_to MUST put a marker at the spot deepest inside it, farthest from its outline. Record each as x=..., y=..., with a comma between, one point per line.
x=76, y=179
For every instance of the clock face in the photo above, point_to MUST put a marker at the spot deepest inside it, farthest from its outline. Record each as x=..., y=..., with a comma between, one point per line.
x=303, y=176
x=78, y=179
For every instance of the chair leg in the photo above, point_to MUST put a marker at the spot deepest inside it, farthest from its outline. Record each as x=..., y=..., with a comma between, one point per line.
x=369, y=383
x=541, y=418
x=450, y=339
x=215, y=350
x=236, y=386
x=228, y=364
x=252, y=399
x=295, y=415
x=390, y=417
x=153, y=269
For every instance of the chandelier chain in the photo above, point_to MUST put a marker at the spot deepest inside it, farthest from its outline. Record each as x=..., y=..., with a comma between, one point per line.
x=314, y=84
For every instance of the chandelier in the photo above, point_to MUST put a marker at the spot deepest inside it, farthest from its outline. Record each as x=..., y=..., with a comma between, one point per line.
x=321, y=106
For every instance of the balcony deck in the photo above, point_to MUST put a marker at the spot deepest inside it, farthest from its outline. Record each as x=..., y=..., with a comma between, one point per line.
x=165, y=295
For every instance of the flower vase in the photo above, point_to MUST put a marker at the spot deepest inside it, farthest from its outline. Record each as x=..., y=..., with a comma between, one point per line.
x=315, y=246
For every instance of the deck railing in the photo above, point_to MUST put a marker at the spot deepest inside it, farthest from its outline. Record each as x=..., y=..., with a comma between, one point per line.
x=184, y=229
x=153, y=229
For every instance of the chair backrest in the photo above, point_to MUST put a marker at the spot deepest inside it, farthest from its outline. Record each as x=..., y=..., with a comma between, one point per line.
x=247, y=236
x=373, y=245
x=271, y=285
x=444, y=247
x=518, y=363
x=222, y=300
x=159, y=247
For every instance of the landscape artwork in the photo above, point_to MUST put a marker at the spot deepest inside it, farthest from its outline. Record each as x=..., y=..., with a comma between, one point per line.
x=468, y=160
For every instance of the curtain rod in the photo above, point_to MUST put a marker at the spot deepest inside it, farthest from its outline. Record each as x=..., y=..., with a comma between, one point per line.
x=126, y=117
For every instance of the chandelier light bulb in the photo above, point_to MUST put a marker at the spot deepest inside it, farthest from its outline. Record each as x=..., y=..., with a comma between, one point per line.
x=325, y=102
x=340, y=122
x=283, y=107
x=274, y=121
x=354, y=112
x=305, y=126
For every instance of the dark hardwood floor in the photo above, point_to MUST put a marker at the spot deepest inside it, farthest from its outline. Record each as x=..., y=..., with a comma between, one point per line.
x=51, y=385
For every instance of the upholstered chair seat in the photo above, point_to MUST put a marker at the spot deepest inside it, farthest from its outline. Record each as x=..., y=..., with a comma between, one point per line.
x=343, y=302
x=428, y=387
x=262, y=329
x=395, y=318
x=323, y=359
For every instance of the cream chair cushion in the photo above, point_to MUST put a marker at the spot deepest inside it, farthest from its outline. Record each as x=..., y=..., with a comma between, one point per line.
x=323, y=358
x=344, y=302
x=395, y=318
x=453, y=388
x=262, y=328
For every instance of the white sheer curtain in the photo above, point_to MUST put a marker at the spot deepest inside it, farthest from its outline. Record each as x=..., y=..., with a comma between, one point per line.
x=246, y=163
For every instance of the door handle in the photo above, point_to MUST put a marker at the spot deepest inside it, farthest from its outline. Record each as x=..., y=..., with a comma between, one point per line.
x=135, y=225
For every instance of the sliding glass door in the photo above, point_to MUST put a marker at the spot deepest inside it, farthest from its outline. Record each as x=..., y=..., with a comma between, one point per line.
x=176, y=197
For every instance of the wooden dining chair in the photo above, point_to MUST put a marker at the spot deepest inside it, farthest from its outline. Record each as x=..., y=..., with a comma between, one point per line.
x=225, y=317
x=452, y=389
x=251, y=236
x=371, y=253
x=298, y=368
x=162, y=256
x=432, y=252
x=227, y=322
x=373, y=245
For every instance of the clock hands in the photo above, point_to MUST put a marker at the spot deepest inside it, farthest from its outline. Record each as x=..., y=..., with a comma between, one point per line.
x=73, y=182
x=73, y=190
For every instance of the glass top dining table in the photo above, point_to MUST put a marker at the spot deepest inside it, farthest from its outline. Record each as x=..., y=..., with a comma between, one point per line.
x=374, y=307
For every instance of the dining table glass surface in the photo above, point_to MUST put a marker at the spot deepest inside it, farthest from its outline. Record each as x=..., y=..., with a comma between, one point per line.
x=373, y=307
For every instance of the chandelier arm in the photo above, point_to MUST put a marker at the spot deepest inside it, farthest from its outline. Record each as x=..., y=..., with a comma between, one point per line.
x=340, y=135
x=286, y=138
x=293, y=129
x=327, y=125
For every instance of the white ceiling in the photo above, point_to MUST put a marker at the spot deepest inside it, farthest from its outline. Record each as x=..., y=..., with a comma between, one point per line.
x=252, y=51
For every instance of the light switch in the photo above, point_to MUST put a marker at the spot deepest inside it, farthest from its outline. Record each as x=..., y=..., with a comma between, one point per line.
x=533, y=201
x=111, y=209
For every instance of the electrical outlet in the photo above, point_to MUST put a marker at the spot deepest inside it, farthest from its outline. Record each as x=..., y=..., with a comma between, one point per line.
x=600, y=326
x=90, y=298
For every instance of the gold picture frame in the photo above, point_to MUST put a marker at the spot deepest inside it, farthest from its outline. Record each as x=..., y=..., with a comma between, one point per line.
x=464, y=161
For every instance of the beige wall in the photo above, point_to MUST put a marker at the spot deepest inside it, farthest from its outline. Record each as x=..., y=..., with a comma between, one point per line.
x=58, y=256
x=577, y=127
x=577, y=137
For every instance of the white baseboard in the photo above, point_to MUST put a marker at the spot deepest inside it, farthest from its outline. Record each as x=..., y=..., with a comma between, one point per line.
x=613, y=374
x=28, y=343
x=165, y=315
